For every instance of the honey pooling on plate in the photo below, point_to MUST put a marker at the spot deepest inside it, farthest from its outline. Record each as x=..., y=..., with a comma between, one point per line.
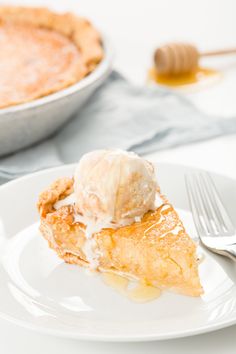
x=135, y=291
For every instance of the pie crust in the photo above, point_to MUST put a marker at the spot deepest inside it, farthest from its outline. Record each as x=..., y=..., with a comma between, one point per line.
x=156, y=250
x=43, y=52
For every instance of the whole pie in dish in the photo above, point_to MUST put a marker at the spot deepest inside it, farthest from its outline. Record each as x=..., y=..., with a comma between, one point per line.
x=112, y=217
x=43, y=52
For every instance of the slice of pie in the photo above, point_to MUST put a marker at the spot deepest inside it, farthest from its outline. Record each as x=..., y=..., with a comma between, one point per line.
x=153, y=248
x=43, y=52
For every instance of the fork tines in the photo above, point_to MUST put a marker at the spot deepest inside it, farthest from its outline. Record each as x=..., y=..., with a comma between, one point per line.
x=210, y=216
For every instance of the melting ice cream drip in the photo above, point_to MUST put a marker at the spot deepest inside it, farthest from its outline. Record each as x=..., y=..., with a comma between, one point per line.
x=113, y=188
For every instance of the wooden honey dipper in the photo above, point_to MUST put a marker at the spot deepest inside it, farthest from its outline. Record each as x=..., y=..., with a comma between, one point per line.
x=181, y=58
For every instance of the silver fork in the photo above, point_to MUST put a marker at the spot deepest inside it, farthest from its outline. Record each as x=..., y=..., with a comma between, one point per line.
x=213, y=224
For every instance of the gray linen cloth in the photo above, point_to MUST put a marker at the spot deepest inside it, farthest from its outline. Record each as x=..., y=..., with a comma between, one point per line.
x=120, y=115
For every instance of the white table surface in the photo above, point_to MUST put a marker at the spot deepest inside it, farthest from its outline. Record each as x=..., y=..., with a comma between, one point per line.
x=135, y=28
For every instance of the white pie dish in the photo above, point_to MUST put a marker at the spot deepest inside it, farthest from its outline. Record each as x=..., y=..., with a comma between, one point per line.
x=40, y=292
x=28, y=123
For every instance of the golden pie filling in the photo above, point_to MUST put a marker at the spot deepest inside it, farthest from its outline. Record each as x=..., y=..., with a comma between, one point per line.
x=37, y=59
x=112, y=217
x=34, y=63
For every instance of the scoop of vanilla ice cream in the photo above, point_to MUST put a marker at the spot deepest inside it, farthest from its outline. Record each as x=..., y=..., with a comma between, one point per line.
x=114, y=186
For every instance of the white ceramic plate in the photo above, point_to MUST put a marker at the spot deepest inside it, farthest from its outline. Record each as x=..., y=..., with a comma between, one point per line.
x=40, y=292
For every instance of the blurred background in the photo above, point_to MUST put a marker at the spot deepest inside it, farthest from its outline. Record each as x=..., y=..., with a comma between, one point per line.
x=136, y=28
